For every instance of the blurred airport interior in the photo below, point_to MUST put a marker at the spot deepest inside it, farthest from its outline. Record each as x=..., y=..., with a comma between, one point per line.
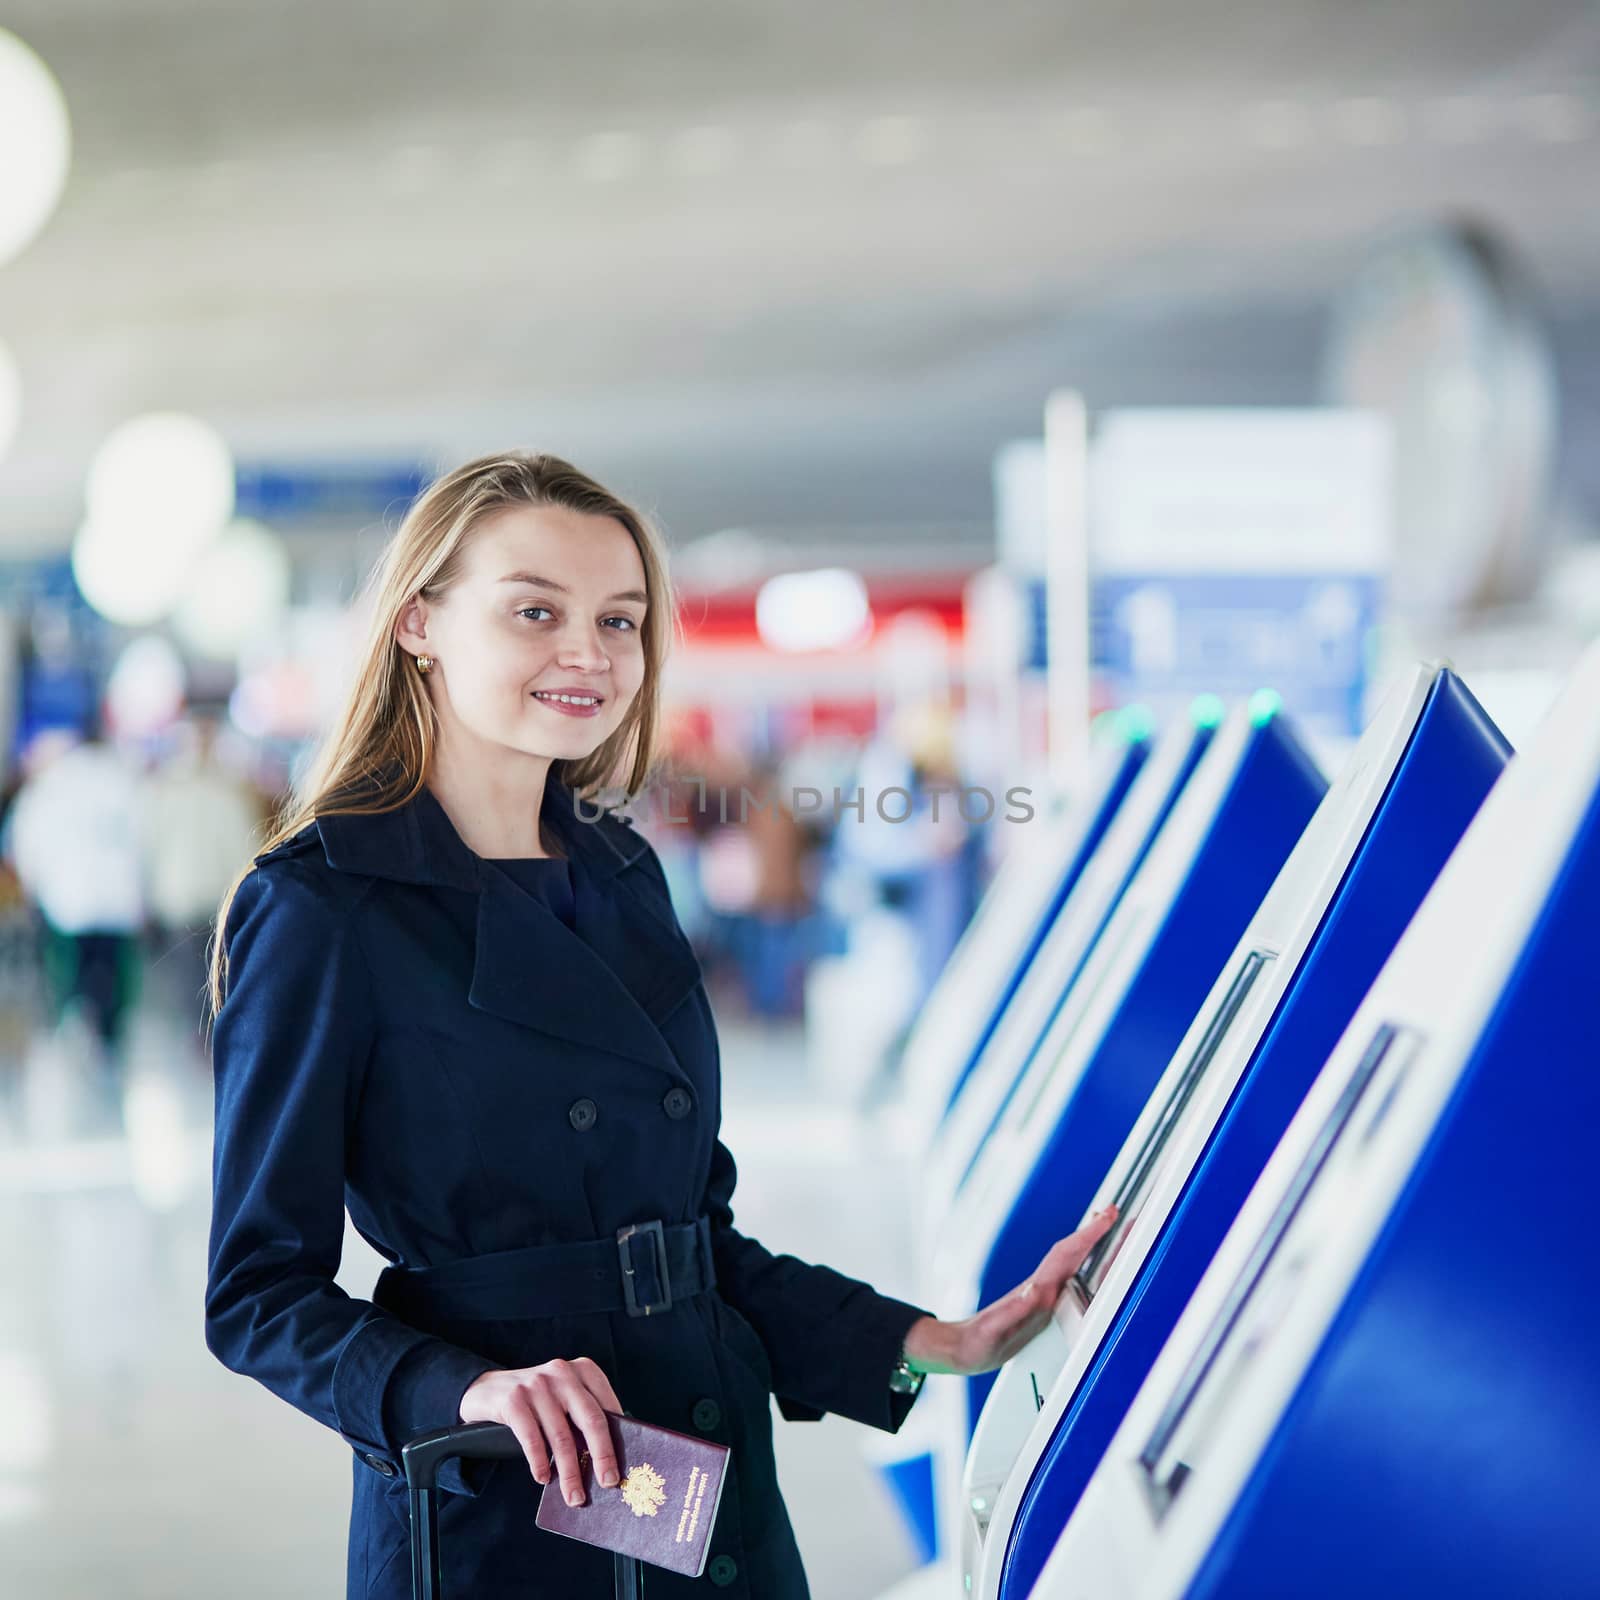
x=1071, y=426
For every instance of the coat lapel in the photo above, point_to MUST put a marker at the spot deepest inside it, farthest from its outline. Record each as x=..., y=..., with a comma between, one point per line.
x=609, y=985
x=601, y=986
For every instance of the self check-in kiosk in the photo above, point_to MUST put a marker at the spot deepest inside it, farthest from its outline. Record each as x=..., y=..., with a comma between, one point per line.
x=1084, y=915
x=1385, y=1383
x=1224, y=842
x=905, y=1460
x=1012, y=921
x=1343, y=899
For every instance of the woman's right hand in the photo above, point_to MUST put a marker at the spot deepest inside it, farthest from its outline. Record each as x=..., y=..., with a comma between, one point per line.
x=541, y=1405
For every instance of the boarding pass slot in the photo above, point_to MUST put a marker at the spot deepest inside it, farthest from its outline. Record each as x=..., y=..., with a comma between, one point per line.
x=1272, y=1275
x=1131, y=1190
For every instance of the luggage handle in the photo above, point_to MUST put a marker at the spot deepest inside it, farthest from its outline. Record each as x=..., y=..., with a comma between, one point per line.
x=482, y=1441
x=423, y=1457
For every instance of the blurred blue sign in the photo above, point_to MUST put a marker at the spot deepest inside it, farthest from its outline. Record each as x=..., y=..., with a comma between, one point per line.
x=283, y=494
x=1162, y=638
x=1035, y=651
x=1238, y=550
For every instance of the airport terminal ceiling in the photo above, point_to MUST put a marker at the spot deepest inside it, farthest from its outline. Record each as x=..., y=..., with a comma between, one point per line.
x=778, y=265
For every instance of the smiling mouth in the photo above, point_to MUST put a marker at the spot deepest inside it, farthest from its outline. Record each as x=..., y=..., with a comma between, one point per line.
x=582, y=701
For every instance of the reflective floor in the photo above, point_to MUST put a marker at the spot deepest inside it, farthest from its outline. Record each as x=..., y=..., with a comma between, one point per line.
x=132, y=1465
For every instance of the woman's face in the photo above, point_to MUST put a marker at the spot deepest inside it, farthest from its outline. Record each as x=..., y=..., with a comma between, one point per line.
x=549, y=601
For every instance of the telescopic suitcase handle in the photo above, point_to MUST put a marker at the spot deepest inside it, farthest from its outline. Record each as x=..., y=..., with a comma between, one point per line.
x=483, y=1441
x=423, y=1458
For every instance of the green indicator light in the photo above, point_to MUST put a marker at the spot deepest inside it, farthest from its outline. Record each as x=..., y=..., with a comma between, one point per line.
x=1265, y=704
x=1207, y=711
x=1137, y=722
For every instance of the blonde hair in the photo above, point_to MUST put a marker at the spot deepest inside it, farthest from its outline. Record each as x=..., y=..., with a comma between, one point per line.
x=380, y=747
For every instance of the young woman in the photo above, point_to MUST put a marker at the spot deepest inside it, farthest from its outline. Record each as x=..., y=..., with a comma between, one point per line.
x=452, y=995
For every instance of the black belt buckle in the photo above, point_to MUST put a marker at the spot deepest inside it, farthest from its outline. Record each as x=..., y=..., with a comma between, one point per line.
x=652, y=1230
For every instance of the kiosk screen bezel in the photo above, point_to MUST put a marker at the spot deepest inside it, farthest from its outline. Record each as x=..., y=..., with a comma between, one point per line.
x=1129, y=1191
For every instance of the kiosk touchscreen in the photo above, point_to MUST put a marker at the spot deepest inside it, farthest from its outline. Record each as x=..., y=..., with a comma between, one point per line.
x=1385, y=1383
x=1225, y=841
x=997, y=1067
x=1351, y=885
x=1011, y=922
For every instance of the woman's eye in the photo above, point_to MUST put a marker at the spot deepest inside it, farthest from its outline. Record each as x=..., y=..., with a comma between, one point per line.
x=628, y=624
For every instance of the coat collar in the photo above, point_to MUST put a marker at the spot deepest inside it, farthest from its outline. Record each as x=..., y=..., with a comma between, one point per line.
x=610, y=985
x=418, y=843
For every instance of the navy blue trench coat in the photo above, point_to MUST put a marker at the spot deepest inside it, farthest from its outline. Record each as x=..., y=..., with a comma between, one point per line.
x=410, y=1034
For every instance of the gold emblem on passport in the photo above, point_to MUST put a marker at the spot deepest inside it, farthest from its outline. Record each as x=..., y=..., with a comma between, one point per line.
x=644, y=1490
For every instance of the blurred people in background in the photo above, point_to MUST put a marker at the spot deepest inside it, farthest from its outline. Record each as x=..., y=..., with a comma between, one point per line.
x=944, y=893
x=199, y=821
x=679, y=821
x=912, y=840
x=73, y=839
x=19, y=954
x=729, y=831
x=771, y=935
x=725, y=862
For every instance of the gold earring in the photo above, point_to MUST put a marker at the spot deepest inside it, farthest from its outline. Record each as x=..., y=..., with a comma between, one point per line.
x=424, y=665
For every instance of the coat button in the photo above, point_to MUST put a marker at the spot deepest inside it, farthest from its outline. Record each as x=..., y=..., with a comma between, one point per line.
x=722, y=1571
x=387, y=1468
x=677, y=1104
x=706, y=1415
x=583, y=1115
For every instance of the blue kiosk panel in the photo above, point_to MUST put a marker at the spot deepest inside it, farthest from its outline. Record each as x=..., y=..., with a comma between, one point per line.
x=1109, y=801
x=1442, y=1439
x=1199, y=742
x=1450, y=762
x=1274, y=790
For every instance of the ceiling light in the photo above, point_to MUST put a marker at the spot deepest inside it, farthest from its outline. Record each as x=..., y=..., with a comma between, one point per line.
x=163, y=478
x=10, y=400
x=608, y=157
x=826, y=609
x=892, y=141
x=126, y=577
x=36, y=142
x=237, y=591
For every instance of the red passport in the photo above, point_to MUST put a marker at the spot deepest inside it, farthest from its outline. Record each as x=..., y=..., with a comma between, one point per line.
x=663, y=1510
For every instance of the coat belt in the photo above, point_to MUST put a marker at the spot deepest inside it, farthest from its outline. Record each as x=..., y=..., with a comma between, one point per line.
x=642, y=1271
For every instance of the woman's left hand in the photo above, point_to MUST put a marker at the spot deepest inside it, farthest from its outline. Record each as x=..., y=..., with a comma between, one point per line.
x=988, y=1340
